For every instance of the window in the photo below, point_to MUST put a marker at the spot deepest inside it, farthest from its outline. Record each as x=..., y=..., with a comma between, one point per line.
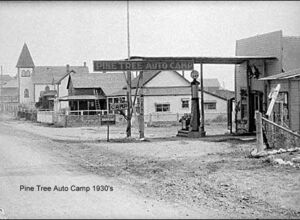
x=210, y=105
x=25, y=73
x=162, y=107
x=184, y=103
x=26, y=93
x=122, y=99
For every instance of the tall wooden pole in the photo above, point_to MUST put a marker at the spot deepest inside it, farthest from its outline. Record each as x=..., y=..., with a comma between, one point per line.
x=202, y=131
x=259, y=132
x=248, y=98
x=141, y=115
x=129, y=100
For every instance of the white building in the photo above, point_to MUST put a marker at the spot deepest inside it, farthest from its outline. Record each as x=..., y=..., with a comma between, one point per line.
x=167, y=96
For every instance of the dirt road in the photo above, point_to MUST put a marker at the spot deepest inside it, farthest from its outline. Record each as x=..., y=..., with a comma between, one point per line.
x=26, y=162
x=159, y=178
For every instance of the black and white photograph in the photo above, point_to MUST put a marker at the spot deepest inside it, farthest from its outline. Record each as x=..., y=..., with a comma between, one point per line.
x=150, y=109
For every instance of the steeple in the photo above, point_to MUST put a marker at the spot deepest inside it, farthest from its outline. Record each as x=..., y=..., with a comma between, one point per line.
x=25, y=59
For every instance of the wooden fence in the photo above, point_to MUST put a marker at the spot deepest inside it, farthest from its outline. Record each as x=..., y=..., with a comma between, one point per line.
x=274, y=135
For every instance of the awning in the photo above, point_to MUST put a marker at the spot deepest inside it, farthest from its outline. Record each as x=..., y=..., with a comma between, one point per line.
x=281, y=76
x=80, y=97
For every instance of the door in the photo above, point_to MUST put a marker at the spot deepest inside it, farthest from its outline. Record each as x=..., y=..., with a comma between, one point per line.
x=256, y=104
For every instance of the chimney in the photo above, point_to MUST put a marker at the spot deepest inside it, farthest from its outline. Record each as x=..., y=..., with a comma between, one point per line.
x=84, y=64
x=68, y=68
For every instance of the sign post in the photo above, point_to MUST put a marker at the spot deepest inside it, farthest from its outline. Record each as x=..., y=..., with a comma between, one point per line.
x=107, y=133
x=108, y=120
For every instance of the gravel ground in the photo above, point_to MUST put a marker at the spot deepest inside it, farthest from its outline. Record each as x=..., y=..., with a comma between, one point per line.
x=219, y=176
x=100, y=133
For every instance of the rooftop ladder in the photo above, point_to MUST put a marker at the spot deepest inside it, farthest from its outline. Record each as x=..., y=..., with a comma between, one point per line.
x=97, y=103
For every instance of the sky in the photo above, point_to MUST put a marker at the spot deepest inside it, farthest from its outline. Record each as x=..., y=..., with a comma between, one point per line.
x=73, y=32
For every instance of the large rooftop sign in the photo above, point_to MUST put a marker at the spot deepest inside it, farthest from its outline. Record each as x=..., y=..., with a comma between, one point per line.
x=143, y=65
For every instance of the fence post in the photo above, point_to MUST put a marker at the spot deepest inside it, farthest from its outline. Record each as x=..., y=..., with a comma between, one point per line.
x=259, y=132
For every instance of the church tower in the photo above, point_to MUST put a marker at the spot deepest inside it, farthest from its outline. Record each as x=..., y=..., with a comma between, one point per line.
x=25, y=67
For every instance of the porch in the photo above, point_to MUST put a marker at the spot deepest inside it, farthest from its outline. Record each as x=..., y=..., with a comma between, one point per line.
x=85, y=105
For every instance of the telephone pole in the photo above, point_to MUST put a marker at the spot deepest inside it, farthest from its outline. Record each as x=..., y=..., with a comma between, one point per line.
x=141, y=114
x=129, y=100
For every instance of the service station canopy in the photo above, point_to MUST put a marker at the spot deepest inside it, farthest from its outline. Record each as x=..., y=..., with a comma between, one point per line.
x=135, y=65
x=209, y=60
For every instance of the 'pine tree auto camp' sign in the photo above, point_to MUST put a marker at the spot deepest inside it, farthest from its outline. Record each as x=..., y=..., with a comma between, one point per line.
x=132, y=65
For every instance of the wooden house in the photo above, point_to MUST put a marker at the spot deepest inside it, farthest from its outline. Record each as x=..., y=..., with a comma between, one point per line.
x=88, y=93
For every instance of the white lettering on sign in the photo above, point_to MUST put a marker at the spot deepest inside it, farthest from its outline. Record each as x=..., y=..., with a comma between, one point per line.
x=143, y=65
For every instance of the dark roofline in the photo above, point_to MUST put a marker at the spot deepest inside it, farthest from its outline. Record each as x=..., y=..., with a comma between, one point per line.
x=213, y=94
x=25, y=59
x=149, y=78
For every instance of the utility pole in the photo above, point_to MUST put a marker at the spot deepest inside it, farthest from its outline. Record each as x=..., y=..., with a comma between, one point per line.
x=141, y=115
x=129, y=100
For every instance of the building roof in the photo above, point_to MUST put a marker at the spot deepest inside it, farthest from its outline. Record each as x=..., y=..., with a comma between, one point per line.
x=120, y=92
x=214, y=94
x=108, y=82
x=211, y=82
x=53, y=74
x=25, y=59
x=148, y=76
x=226, y=94
x=285, y=75
x=5, y=78
x=11, y=84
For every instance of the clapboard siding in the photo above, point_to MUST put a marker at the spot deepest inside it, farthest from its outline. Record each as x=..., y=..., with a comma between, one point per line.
x=295, y=105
